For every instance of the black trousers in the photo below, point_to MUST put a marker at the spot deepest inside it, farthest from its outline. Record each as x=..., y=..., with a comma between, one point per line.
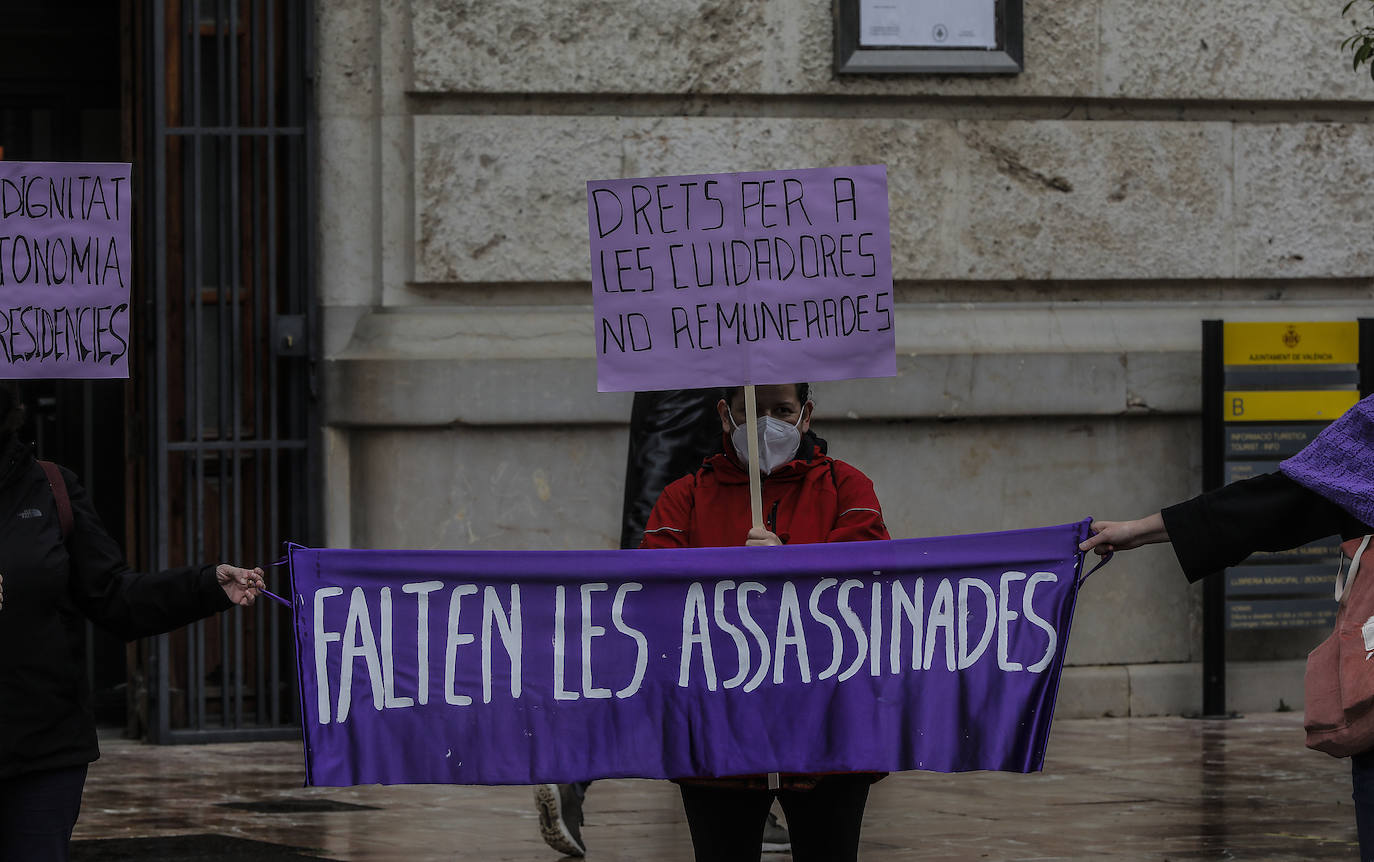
x=38, y=811
x=824, y=823
x=1362, y=775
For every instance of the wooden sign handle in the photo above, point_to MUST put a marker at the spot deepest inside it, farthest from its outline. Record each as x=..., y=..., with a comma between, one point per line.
x=751, y=424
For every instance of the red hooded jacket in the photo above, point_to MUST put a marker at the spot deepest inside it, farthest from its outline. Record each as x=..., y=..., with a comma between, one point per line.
x=814, y=498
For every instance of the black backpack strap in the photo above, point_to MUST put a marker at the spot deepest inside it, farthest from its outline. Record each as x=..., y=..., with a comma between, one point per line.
x=59, y=493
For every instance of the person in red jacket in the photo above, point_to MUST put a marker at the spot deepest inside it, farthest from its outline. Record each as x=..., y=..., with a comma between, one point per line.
x=808, y=497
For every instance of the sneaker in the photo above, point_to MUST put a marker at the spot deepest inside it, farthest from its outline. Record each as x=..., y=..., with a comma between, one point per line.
x=775, y=837
x=560, y=818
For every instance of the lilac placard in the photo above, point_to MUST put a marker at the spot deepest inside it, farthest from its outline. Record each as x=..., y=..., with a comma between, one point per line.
x=65, y=264
x=730, y=279
x=488, y=667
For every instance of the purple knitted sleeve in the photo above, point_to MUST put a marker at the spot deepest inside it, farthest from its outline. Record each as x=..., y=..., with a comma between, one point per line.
x=1339, y=463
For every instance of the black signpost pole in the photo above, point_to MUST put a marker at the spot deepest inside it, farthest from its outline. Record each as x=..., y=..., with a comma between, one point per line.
x=1213, y=456
x=1366, y=356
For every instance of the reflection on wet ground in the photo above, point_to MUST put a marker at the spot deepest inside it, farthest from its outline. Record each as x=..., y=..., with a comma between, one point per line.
x=1153, y=788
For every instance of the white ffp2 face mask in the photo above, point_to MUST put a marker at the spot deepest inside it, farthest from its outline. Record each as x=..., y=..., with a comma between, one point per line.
x=778, y=442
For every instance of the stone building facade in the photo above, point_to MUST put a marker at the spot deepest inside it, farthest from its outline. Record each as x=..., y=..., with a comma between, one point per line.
x=1057, y=237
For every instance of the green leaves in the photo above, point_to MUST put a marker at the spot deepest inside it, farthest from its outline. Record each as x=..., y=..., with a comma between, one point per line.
x=1361, y=42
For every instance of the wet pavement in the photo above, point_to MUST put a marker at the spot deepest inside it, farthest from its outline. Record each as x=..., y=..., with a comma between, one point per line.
x=1151, y=788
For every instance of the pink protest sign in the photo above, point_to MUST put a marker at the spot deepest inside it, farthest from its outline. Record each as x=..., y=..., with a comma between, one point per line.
x=65, y=264
x=746, y=278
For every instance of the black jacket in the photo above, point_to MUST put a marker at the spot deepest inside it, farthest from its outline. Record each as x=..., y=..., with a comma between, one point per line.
x=50, y=587
x=1271, y=512
x=671, y=432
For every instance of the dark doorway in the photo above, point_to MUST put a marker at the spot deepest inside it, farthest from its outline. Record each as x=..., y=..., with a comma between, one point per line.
x=223, y=126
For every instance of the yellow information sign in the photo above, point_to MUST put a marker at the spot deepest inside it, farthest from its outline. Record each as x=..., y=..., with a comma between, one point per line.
x=1312, y=343
x=1322, y=405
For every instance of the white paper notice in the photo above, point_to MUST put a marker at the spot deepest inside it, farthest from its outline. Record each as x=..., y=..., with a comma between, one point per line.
x=928, y=23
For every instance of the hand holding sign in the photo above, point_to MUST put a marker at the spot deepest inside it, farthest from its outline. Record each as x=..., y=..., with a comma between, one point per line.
x=760, y=537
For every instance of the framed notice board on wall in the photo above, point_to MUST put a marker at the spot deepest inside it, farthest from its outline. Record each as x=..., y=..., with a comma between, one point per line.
x=928, y=37
x=1267, y=390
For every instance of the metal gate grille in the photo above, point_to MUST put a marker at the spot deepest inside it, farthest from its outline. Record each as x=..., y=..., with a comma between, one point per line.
x=227, y=392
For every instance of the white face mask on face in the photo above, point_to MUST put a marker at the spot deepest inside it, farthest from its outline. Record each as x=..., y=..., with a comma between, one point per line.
x=778, y=442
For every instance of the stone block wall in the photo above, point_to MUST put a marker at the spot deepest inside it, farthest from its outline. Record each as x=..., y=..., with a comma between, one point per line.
x=1057, y=237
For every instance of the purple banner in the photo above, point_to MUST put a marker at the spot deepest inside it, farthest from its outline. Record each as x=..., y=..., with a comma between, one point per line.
x=488, y=667
x=65, y=260
x=730, y=279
